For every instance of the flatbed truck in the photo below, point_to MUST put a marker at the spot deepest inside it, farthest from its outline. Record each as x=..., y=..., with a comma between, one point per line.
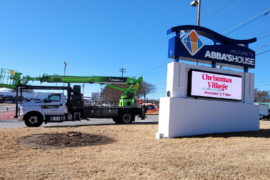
x=54, y=109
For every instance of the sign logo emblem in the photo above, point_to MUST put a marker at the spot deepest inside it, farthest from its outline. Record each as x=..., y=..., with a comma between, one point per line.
x=192, y=42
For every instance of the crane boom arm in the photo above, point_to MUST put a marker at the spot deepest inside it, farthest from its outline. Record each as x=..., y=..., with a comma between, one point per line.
x=126, y=99
x=87, y=79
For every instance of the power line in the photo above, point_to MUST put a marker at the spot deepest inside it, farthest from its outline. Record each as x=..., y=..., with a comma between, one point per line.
x=261, y=47
x=161, y=83
x=264, y=37
x=161, y=93
x=263, y=85
x=155, y=76
x=247, y=21
x=263, y=52
x=151, y=69
x=224, y=32
x=264, y=32
x=228, y=30
x=222, y=12
x=122, y=70
x=262, y=82
x=260, y=31
x=210, y=10
x=207, y=42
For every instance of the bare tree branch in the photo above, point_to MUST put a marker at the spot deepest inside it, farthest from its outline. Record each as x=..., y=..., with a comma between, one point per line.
x=112, y=96
x=261, y=96
x=146, y=88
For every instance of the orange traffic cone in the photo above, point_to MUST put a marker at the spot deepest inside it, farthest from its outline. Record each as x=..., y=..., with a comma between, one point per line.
x=140, y=102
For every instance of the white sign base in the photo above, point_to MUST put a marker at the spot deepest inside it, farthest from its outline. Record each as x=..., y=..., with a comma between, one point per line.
x=187, y=117
x=180, y=115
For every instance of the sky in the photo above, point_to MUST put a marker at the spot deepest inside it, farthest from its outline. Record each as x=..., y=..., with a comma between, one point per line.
x=96, y=38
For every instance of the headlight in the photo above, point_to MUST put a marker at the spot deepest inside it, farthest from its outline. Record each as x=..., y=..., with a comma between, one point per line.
x=22, y=109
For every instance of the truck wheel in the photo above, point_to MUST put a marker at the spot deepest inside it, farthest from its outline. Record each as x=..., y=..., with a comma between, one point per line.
x=116, y=120
x=33, y=120
x=126, y=117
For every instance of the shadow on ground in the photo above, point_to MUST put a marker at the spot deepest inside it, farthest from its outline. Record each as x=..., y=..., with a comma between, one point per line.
x=105, y=124
x=262, y=133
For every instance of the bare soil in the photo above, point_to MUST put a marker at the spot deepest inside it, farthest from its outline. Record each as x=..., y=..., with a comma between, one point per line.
x=132, y=152
x=63, y=140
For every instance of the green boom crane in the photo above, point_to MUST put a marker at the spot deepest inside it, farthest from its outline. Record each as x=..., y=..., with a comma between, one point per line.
x=127, y=99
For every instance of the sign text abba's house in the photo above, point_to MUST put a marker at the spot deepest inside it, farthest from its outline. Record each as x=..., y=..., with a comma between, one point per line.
x=187, y=45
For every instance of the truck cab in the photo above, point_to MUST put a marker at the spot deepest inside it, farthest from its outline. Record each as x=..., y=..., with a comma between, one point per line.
x=48, y=108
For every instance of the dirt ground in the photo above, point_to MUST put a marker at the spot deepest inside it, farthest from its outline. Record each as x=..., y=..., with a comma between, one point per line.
x=131, y=152
x=63, y=140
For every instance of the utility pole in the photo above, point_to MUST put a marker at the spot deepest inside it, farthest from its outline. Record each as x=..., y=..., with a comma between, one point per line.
x=194, y=4
x=65, y=64
x=199, y=13
x=122, y=70
x=100, y=93
x=198, y=21
x=83, y=88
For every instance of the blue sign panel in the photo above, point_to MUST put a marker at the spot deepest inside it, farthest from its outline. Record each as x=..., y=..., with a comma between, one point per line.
x=225, y=51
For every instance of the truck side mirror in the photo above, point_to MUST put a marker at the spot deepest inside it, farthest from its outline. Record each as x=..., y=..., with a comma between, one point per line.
x=46, y=101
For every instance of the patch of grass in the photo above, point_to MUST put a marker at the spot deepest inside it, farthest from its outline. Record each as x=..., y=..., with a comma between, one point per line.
x=136, y=154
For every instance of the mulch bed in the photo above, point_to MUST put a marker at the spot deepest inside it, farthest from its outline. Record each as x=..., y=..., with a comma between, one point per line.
x=63, y=140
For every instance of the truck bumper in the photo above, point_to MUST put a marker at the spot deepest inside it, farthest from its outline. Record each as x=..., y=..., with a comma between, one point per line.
x=20, y=117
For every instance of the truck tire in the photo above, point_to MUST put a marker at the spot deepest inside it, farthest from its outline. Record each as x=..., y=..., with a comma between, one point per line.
x=116, y=120
x=126, y=117
x=33, y=119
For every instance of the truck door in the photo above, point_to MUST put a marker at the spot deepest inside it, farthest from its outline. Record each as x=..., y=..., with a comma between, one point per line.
x=53, y=105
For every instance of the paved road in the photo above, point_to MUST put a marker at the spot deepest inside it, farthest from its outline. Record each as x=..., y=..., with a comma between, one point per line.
x=14, y=123
x=11, y=107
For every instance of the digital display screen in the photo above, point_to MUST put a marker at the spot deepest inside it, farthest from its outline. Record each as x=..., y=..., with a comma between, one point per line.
x=214, y=85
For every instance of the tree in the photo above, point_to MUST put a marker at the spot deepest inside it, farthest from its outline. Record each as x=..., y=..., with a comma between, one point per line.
x=261, y=96
x=146, y=88
x=111, y=95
